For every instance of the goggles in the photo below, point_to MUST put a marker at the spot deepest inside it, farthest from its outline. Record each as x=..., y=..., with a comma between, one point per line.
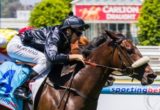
x=78, y=31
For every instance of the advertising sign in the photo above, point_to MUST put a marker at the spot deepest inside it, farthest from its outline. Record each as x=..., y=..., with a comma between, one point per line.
x=132, y=89
x=108, y=12
x=130, y=97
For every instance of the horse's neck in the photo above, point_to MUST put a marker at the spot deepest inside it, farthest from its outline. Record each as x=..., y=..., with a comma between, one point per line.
x=91, y=79
x=102, y=55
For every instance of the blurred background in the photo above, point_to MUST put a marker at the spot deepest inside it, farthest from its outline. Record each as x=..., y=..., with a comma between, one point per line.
x=117, y=15
x=138, y=20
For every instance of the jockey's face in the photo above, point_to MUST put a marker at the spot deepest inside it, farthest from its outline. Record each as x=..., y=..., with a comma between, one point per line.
x=69, y=32
x=73, y=33
x=77, y=31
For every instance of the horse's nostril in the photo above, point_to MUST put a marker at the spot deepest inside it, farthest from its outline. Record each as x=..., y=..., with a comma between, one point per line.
x=149, y=79
x=152, y=75
x=147, y=82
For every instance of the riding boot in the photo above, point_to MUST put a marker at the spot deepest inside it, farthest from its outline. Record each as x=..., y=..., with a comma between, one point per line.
x=23, y=92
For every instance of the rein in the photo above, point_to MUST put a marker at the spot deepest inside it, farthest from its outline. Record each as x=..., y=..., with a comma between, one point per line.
x=108, y=67
x=103, y=66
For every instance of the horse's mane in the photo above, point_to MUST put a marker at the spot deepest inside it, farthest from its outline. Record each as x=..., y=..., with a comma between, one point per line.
x=105, y=36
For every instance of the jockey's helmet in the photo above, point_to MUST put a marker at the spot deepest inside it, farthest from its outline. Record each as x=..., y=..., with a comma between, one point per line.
x=74, y=22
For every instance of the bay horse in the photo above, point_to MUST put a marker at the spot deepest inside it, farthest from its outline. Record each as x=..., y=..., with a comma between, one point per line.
x=80, y=90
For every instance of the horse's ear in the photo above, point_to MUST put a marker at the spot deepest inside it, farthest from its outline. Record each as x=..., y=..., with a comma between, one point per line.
x=118, y=37
x=111, y=35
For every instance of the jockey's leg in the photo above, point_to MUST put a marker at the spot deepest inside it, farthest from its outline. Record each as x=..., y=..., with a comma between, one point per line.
x=18, y=51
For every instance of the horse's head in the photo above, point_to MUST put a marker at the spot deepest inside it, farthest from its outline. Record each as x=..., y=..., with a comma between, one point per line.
x=127, y=56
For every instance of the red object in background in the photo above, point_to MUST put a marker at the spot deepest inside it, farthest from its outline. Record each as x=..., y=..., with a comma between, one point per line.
x=90, y=12
x=22, y=30
x=108, y=12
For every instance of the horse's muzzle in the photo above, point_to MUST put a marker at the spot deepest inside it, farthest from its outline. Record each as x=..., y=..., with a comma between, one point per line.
x=148, y=79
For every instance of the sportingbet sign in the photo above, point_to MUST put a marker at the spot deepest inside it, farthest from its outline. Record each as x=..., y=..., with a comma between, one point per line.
x=132, y=89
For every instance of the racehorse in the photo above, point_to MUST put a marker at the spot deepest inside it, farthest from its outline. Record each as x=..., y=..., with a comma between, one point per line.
x=80, y=90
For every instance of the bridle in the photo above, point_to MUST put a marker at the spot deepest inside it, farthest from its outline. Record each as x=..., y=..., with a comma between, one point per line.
x=127, y=70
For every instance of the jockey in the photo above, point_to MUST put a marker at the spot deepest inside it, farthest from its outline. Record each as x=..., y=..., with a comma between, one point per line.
x=58, y=45
x=54, y=41
x=5, y=36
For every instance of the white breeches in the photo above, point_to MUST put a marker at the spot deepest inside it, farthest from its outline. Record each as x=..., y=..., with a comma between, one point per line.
x=18, y=51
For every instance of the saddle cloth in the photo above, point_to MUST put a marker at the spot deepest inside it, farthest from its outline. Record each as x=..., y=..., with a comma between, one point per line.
x=11, y=77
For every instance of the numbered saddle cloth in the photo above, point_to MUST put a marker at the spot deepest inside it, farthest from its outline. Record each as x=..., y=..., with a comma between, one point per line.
x=11, y=77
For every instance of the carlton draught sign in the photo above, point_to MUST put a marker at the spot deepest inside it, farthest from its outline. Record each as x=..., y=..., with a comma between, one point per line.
x=108, y=12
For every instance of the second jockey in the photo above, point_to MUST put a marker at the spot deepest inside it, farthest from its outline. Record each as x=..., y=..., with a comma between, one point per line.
x=5, y=36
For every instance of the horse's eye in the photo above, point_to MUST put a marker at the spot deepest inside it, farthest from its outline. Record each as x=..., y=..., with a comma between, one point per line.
x=130, y=51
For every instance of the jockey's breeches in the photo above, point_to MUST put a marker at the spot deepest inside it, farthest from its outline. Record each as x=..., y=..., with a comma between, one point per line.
x=18, y=51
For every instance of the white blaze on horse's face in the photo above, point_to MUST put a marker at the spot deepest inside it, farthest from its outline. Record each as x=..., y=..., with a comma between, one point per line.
x=140, y=62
